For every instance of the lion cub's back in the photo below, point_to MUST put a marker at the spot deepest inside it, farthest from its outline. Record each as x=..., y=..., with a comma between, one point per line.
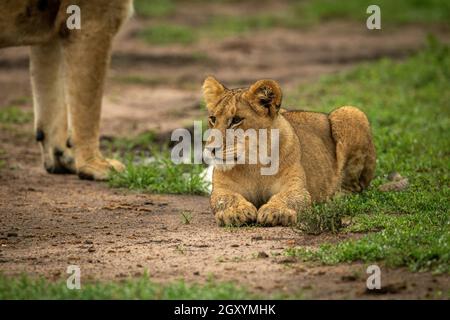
x=316, y=123
x=318, y=151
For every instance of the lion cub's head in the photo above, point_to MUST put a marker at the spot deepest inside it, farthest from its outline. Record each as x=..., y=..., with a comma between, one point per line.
x=255, y=107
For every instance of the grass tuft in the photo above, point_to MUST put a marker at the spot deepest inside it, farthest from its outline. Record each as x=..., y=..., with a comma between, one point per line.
x=322, y=217
x=186, y=217
x=161, y=175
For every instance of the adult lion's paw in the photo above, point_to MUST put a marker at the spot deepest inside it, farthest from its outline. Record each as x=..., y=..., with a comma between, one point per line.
x=116, y=164
x=272, y=215
x=99, y=169
x=59, y=160
x=236, y=215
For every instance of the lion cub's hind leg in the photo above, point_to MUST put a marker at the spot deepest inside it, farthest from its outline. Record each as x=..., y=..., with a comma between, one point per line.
x=355, y=151
x=50, y=108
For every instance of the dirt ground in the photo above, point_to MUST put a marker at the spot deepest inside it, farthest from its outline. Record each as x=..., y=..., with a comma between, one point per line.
x=50, y=221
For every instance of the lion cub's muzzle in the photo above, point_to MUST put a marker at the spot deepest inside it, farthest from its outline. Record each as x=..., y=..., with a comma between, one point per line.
x=223, y=158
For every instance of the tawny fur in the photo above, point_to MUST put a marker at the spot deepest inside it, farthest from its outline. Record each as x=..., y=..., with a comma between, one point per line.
x=319, y=155
x=68, y=69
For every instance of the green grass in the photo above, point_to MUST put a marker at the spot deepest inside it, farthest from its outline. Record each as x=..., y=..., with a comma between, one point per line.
x=140, y=80
x=18, y=288
x=144, y=141
x=299, y=14
x=322, y=218
x=14, y=115
x=154, y=8
x=2, y=161
x=164, y=34
x=222, y=26
x=392, y=12
x=161, y=176
x=408, y=104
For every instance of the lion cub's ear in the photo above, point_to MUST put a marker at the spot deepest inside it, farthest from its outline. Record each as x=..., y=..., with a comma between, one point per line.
x=212, y=90
x=267, y=95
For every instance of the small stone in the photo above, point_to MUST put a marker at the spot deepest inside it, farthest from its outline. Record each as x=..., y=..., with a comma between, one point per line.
x=12, y=234
x=262, y=255
x=349, y=278
x=91, y=249
x=88, y=242
x=394, y=176
x=397, y=185
x=391, y=288
x=287, y=260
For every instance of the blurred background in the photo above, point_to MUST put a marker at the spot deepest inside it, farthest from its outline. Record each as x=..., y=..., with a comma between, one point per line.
x=162, y=55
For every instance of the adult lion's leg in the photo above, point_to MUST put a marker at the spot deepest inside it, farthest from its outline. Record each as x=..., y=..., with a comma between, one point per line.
x=86, y=58
x=50, y=108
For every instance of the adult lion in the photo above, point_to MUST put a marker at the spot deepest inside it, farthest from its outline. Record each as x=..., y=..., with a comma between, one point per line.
x=319, y=155
x=68, y=69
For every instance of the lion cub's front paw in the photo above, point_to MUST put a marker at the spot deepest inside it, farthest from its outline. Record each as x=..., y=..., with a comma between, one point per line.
x=272, y=215
x=99, y=169
x=236, y=215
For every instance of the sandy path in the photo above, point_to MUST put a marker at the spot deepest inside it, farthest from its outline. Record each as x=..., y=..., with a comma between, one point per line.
x=49, y=222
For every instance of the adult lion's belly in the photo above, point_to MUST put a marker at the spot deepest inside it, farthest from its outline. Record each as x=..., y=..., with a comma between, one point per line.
x=27, y=22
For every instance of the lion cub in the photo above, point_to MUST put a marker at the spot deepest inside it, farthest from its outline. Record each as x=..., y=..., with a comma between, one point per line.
x=319, y=154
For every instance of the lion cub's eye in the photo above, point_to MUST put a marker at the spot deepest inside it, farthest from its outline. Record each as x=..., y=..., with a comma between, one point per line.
x=236, y=120
x=212, y=120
